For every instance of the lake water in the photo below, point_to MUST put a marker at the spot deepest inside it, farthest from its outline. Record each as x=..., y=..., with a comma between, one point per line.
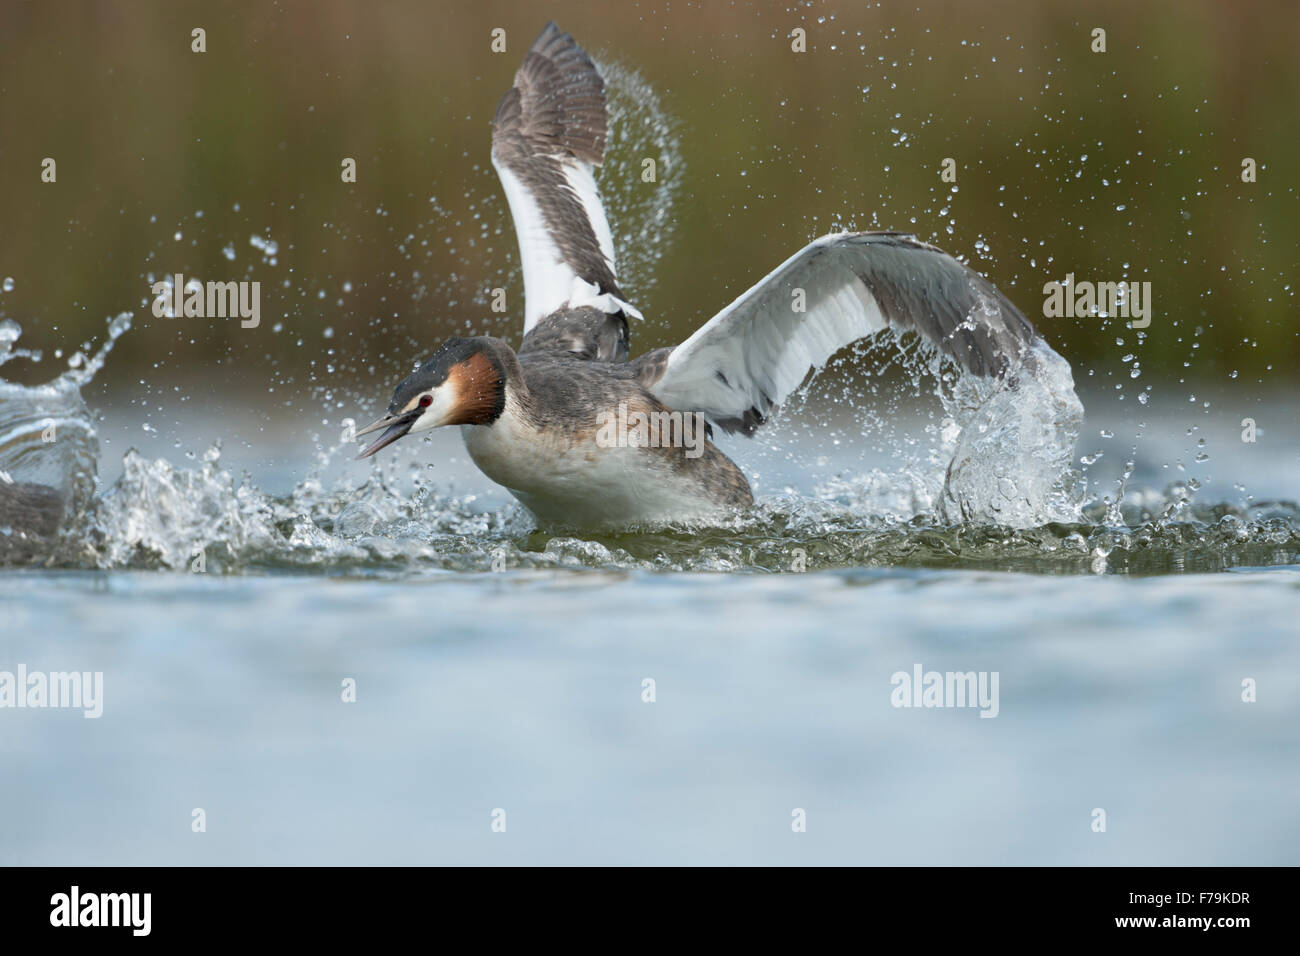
x=523, y=691
x=1120, y=653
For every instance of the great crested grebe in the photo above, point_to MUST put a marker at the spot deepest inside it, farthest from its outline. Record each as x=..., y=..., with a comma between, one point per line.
x=540, y=421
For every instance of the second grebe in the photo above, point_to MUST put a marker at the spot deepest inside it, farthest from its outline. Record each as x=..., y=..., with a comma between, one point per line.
x=539, y=421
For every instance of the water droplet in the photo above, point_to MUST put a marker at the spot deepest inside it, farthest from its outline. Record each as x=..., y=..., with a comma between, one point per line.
x=268, y=246
x=9, y=283
x=119, y=324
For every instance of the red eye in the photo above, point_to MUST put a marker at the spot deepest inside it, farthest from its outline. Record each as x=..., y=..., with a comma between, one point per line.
x=426, y=401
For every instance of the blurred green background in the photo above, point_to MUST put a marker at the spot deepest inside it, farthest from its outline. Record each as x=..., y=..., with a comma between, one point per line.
x=1114, y=166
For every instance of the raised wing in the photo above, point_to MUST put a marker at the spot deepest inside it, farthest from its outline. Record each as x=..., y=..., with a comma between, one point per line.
x=548, y=136
x=749, y=357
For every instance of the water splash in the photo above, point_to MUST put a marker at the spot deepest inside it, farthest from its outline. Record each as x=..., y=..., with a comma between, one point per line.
x=960, y=448
x=161, y=517
x=1011, y=464
x=48, y=447
x=640, y=211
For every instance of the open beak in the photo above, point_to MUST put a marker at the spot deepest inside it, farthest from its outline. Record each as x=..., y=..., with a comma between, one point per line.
x=395, y=427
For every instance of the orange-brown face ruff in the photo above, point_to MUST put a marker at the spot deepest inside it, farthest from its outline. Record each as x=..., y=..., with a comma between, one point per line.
x=460, y=385
x=476, y=383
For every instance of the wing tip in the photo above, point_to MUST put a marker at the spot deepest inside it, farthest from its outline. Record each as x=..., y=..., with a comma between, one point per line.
x=557, y=103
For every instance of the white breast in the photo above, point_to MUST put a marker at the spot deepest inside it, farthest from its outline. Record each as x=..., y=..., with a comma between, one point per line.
x=580, y=483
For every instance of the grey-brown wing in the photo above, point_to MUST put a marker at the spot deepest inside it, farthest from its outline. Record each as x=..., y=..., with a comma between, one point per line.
x=548, y=136
x=838, y=289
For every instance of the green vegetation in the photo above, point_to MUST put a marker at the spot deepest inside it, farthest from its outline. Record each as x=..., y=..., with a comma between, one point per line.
x=777, y=146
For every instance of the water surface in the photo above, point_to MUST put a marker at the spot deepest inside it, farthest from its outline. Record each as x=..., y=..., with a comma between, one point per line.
x=522, y=691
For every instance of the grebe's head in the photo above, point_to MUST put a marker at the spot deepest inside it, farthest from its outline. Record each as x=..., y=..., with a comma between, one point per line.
x=463, y=384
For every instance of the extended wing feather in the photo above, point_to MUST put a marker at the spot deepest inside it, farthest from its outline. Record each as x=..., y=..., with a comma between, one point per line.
x=548, y=136
x=838, y=289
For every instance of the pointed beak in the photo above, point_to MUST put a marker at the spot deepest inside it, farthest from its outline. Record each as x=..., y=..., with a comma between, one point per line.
x=395, y=427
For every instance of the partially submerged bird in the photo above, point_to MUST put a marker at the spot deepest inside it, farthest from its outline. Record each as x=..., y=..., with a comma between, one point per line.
x=584, y=437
